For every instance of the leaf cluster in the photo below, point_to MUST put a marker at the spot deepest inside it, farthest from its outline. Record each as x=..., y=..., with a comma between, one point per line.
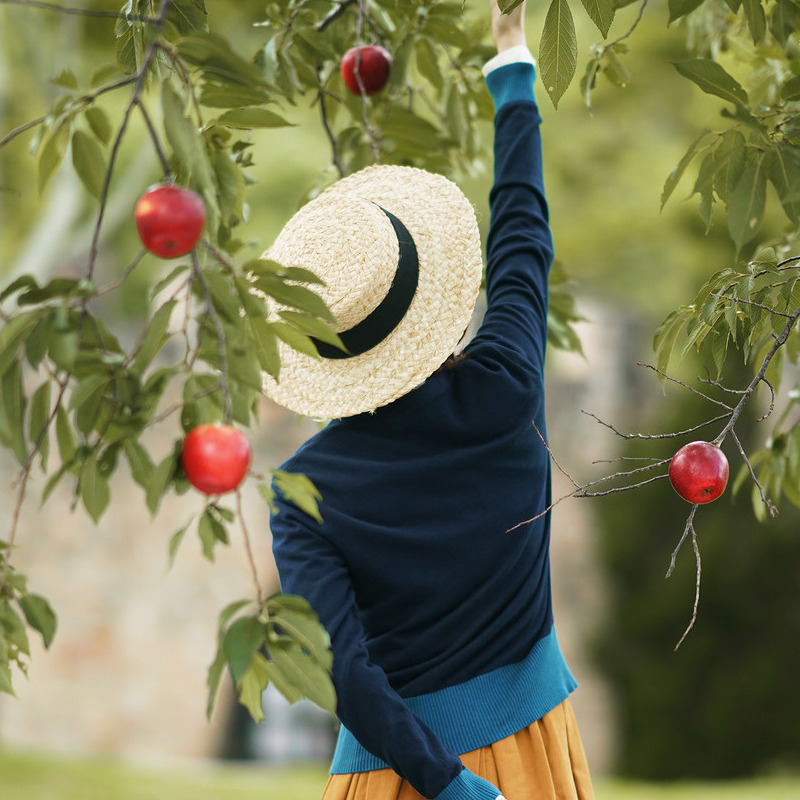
x=20, y=609
x=283, y=643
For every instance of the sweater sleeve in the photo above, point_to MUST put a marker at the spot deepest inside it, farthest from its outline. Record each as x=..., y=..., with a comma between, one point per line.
x=519, y=246
x=367, y=705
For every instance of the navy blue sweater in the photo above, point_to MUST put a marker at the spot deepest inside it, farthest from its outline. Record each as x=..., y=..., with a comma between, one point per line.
x=441, y=618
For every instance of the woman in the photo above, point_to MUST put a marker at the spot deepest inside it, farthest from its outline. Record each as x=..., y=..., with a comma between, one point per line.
x=449, y=678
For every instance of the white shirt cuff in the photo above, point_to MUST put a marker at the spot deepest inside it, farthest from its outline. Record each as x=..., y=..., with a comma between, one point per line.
x=514, y=55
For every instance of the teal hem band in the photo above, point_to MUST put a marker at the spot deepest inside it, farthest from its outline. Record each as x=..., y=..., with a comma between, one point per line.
x=511, y=83
x=479, y=711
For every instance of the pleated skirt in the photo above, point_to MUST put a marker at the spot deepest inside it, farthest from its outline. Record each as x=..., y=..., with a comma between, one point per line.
x=544, y=761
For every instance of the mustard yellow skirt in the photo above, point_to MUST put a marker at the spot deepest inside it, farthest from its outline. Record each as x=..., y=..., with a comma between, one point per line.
x=544, y=761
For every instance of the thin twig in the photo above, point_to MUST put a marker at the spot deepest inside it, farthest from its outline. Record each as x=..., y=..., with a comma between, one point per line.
x=684, y=384
x=249, y=550
x=123, y=277
x=24, y=476
x=156, y=141
x=771, y=507
x=376, y=152
x=751, y=303
x=334, y=14
x=649, y=436
x=323, y=110
x=780, y=340
x=553, y=458
x=698, y=562
x=689, y=525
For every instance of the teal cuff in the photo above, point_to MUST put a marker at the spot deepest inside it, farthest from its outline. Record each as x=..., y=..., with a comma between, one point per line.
x=511, y=83
x=468, y=786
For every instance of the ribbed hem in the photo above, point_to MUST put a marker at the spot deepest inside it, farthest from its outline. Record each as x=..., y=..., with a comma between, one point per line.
x=511, y=83
x=514, y=54
x=479, y=711
x=468, y=786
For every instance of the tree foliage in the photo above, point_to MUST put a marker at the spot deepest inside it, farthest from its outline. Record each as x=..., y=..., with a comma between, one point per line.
x=79, y=398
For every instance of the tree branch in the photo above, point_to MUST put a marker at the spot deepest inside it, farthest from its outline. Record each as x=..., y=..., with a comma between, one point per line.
x=83, y=12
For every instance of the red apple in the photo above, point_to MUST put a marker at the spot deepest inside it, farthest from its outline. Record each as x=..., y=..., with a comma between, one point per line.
x=215, y=458
x=371, y=63
x=170, y=220
x=699, y=472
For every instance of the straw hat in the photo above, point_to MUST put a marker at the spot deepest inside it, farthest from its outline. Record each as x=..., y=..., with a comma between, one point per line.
x=399, y=251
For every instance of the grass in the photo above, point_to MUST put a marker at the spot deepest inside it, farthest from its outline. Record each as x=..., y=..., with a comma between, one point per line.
x=29, y=776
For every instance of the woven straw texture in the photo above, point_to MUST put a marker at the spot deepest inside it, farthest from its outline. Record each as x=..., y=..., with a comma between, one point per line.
x=544, y=761
x=347, y=241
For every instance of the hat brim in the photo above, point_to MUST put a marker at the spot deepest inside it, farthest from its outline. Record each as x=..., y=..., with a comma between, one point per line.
x=442, y=223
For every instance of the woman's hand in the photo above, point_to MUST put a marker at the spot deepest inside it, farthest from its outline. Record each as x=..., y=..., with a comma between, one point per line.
x=508, y=30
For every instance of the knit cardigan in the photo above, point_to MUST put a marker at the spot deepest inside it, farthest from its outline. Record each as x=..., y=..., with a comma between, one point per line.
x=437, y=601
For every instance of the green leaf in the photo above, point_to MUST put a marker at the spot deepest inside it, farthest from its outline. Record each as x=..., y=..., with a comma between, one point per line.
x=558, y=50
x=40, y=616
x=13, y=627
x=175, y=542
x=215, y=672
x=87, y=398
x=140, y=462
x=298, y=489
x=155, y=338
x=601, y=12
x=40, y=416
x=190, y=151
x=52, y=151
x=188, y=15
x=713, y=79
x=14, y=333
x=427, y=62
x=299, y=297
x=289, y=668
x=266, y=345
x=66, y=79
x=99, y=123
x=677, y=171
x=790, y=90
x=160, y=480
x=12, y=417
x=746, y=203
x=312, y=326
x=241, y=643
x=680, y=8
x=94, y=489
x=730, y=157
x=783, y=21
x=252, y=686
x=65, y=436
x=6, y=685
x=665, y=338
x=89, y=163
x=211, y=532
x=223, y=295
x=296, y=619
x=218, y=62
x=756, y=19
x=253, y=118
x=294, y=338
